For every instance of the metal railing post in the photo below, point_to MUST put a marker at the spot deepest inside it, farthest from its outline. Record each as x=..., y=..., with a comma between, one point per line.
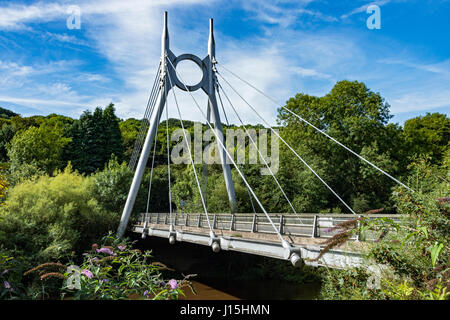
x=314, y=228
x=281, y=225
x=358, y=235
x=254, y=223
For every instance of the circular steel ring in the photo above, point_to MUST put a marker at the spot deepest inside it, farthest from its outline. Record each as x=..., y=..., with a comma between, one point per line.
x=199, y=63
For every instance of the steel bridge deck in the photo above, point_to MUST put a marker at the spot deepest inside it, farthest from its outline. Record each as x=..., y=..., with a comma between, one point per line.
x=254, y=234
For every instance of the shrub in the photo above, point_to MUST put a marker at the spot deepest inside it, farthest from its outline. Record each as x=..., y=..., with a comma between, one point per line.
x=11, y=270
x=51, y=216
x=114, y=270
x=111, y=270
x=417, y=252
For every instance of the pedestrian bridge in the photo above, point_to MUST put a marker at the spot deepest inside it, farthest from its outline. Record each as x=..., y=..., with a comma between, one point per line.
x=295, y=237
x=254, y=234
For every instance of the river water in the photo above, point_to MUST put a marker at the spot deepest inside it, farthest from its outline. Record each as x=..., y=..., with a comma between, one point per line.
x=253, y=290
x=218, y=274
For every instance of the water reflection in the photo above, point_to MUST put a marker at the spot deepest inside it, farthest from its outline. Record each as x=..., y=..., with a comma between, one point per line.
x=253, y=290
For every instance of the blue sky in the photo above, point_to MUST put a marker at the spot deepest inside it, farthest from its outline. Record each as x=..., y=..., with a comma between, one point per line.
x=283, y=47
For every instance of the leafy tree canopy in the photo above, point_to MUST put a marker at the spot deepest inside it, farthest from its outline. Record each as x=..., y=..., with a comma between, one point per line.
x=428, y=135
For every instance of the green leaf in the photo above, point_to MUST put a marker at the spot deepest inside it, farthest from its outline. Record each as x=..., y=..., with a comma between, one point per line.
x=424, y=231
x=435, y=251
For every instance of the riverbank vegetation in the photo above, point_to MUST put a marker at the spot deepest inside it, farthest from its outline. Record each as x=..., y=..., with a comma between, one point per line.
x=64, y=183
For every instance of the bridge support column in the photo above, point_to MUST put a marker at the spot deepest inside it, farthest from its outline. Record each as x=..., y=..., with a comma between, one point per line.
x=207, y=84
x=212, y=105
x=154, y=121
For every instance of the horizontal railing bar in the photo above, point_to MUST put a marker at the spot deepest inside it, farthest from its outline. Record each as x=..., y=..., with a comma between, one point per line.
x=291, y=225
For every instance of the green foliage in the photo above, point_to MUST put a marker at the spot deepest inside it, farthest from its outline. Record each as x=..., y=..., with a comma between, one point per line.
x=6, y=134
x=358, y=118
x=348, y=284
x=112, y=185
x=416, y=250
x=40, y=147
x=11, y=270
x=50, y=216
x=115, y=270
x=7, y=114
x=428, y=135
x=20, y=123
x=95, y=138
x=129, y=129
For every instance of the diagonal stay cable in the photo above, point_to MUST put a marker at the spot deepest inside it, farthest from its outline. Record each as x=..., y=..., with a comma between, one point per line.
x=168, y=150
x=205, y=164
x=142, y=129
x=235, y=148
x=298, y=156
x=317, y=129
x=228, y=154
x=151, y=172
x=260, y=154
x=144, y=124
x=190, y=155
x=148, y=111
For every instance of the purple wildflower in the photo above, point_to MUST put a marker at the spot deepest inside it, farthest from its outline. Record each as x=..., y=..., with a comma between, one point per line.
x=443, y=200
x=7, y=285
x=173, y=284
x=106, y=250
x=145, y=293
x=121, y=247
x=87, y=273
x=105, y=280
x=4, y=271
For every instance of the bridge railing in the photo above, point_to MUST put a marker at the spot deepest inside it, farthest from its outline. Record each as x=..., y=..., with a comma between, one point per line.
x=304, y=225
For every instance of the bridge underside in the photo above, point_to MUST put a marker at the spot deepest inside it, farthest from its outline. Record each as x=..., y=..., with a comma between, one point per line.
x=252, y=234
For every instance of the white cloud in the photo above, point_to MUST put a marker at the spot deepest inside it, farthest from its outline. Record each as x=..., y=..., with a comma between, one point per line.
x=64, y=37
x=363, y=8
x=287, y=61
x=421, y=101
x=442, y=68
x=14, y=69
x=305, y=72
x=16, y=16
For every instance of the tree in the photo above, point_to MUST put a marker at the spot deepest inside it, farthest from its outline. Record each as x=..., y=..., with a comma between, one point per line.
x=6, y=134
x=95, y=138
x=8, y=114
x=358, y=118
x=41, y=147
x=428, y=135
x=51, y=216
x=129, y=129
x=113, y=135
